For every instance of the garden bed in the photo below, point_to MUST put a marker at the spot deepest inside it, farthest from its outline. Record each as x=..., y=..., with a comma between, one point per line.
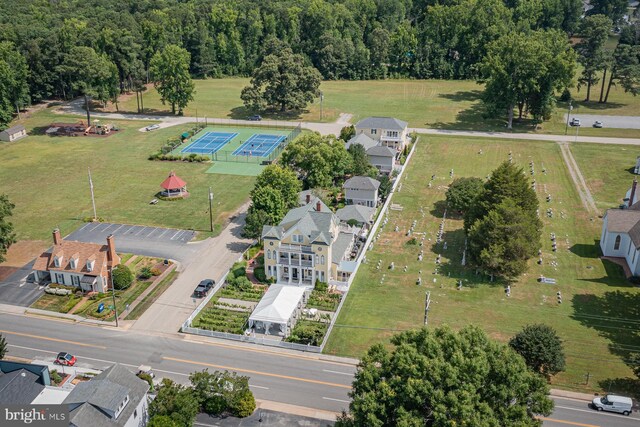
x=222, y=320
x=324, y=300
x=57, y=303
x=253, y=294
x=308, y=332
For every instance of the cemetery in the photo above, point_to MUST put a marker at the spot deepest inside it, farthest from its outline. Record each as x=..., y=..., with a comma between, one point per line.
x=420, y=247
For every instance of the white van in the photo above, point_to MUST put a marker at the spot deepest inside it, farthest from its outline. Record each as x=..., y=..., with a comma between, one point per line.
x=613, y=403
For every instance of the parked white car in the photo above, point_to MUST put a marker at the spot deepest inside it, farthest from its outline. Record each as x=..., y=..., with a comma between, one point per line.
x=613, y=403
x=152, y=127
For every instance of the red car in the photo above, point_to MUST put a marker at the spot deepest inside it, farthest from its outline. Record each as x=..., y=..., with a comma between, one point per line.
x=65, y=359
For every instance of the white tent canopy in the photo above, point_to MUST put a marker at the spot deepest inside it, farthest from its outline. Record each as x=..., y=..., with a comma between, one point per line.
x=275, y=310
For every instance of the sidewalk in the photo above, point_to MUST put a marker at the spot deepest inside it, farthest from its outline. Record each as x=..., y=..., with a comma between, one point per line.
x=571, y=395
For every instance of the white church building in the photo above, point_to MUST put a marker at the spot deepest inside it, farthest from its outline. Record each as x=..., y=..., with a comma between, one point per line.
x=621, y=231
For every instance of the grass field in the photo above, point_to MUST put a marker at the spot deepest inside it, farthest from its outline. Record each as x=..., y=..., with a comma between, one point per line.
x=608, y=171
x=599, y=310
x=446, y=104
x=46, y=178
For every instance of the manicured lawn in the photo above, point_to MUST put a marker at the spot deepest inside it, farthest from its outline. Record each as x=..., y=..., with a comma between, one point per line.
x=152, y=296
x=446, y=104
x=608, y=171
x=46, y=178
x=598, y=318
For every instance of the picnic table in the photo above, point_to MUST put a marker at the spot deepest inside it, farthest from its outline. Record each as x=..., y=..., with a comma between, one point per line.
x=153, y=202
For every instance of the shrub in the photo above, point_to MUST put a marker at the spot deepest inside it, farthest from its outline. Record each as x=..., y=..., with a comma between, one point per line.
x=122, y=277
x=243, y=284
x=353, y=222
x=145, y=273
x=55, y=377
x=412, y=241
x=242, y=403
x=239, y=269
x=146, y=377
x=321, y=286
x=259, y=273
x=156, y=272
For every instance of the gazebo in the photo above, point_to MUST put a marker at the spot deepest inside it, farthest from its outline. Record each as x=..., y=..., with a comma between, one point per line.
x=174, y=186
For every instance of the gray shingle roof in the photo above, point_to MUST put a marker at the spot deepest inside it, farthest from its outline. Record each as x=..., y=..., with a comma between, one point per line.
x=91, y=401
x=625, y=221
x=340, y=246
x=381, y=151
x=272, y=231
x=363, y=140
x=381, y=123
x=14, y=129
x=19, y=387
x=316, y=225
x=362, y=183
x=358, y=212
x=294, y=215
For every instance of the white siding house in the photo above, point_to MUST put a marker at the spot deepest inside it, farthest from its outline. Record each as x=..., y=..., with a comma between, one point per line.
x=361, y=190
x=387, y=131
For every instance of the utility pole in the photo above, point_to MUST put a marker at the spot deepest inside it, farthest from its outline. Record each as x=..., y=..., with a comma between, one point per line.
x=211, y=208
x=566, y=128
x=321, y=99
x=113, y=294
x=93, y=200
x=427, y=303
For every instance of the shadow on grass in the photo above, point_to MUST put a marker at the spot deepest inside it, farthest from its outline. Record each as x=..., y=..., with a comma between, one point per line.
x=614, y=275
x=438, y=208
x=242, y=113
x=586, y=251
x=461, y=96
x=615, y=315
x=624, y=386
x=595, y=105
x=451, y=265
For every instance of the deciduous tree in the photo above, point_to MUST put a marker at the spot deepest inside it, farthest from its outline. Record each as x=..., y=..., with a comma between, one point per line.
x=360, y=165
x=282, y=179
x=3, y=347
x=594, y=31
x=176, y=402
x=438, y=377
x=541, y=348
x=14, y=90
x=282, y=81
x=267, y=208
x=170, y=74
x=462, y=192
x=223, y=393
x=122, y=277
x=7, y=235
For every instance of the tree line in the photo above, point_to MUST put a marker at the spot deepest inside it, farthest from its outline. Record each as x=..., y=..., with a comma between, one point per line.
x=66, y=48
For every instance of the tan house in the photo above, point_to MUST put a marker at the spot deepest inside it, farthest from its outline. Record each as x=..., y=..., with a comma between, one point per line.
x=309, y=244
x=387, y=131
x=83, y=265
x=13, y=133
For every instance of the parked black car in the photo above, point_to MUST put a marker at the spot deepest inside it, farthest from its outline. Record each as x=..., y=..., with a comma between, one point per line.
x=203, y=288
x=255, y=118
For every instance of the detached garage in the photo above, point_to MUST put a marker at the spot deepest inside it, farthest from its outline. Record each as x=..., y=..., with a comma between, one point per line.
x=277, y=311
x=13, y=133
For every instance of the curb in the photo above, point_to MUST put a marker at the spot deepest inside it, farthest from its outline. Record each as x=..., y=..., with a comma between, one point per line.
x=571, y=395
x=302, y=411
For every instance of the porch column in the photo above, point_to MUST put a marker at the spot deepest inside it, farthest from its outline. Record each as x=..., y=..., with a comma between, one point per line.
x=277, y=273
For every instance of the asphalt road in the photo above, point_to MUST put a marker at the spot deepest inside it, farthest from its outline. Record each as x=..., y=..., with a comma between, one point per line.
x=137, y=239
x=618, y=122
x=290, y=378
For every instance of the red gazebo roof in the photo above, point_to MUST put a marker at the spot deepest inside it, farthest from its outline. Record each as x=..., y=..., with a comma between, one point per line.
x=173, y=182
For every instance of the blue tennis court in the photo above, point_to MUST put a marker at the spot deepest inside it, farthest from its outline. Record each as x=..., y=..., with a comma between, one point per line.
x=259, y=145
x=209, y=143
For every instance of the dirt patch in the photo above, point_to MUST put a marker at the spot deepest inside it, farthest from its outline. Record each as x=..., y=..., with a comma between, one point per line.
x=23, y=252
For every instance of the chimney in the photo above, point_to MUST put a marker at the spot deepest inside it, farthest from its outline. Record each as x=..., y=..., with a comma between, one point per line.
x=633, y=191
x=57, y=239
x=308, y=198
x=318, y=206
x=111, y=249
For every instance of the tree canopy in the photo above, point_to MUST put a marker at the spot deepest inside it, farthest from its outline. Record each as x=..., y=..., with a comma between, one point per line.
x=223, y=393
x=282, y=81
x=437, y=377
x=594, y=30
x=169, y=70
x=3, y=347
x=462, y=192
x=122, y=277
x=14, y=89
x=320, y=159
x=7, y=235
x=176, y=402
x=541, y=348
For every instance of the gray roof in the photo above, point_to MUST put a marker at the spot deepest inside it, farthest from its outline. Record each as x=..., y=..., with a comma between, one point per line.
x=14, y=129
x=316, y=225
x=381, y=123
x=361, y=183
x=103, y=394
x=625, y=221
x=360, y=213
x=19, y=387
x=340, y=246
x=381, y=151
x=302, y=197
x=363, y=140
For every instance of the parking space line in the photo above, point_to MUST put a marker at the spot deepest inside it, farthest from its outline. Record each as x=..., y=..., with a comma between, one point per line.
x=162, y=234
x=84, y=226
x=116, y=230
x=173, y=237
x=96, y=226
x=129, y=229
x=108, y=227
x=138, y=233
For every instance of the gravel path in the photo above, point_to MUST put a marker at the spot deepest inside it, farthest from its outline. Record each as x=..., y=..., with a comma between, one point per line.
x=578, y=179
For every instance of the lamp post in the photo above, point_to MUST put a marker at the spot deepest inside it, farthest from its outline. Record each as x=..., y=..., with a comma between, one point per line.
x=321, y=99
x=211, y=208
x=113, y=294
x=566, y=128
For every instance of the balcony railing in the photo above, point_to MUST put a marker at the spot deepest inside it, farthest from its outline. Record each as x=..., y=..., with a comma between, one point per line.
x=298, y=262
x=295, y=248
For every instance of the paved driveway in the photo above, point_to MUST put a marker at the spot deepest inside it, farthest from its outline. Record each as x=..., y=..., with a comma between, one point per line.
x=141, y=240
x=16, y=291
x=618, y=122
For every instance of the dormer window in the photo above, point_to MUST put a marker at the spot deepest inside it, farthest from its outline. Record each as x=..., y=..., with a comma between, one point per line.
x=374, y=131
x=57, y=261
x=73, y=262
x=122, y=405
x=297, y=238
x=90, y=265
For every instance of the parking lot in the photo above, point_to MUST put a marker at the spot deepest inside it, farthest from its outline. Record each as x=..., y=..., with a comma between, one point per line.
x=15, y=289
x=151, y=241
x=617, y=122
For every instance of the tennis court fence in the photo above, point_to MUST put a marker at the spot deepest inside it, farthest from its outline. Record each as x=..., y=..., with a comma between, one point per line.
x=226, y=155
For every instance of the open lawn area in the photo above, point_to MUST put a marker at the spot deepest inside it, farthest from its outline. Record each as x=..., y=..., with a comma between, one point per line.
x=599, y=311
x=608, y=171
x=445, y=104
x=46, y=178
